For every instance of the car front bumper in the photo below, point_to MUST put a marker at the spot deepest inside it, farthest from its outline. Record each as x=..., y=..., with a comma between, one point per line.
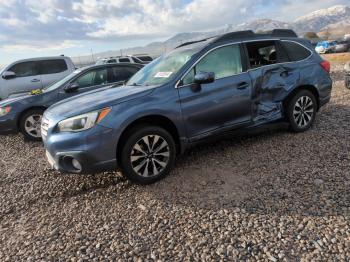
x=93, y=150
x=8, y=125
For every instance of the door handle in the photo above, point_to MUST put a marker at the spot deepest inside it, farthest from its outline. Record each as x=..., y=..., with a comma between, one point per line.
x=242, y=85
x=35, y=80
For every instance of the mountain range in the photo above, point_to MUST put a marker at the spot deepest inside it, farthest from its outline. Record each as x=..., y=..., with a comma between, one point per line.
x=334, y=20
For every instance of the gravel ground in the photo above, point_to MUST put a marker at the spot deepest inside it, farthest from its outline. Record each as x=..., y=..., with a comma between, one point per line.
x=273, y=196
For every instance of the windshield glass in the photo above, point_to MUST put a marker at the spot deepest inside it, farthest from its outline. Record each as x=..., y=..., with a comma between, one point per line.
x=163, y=69
x=61, y=82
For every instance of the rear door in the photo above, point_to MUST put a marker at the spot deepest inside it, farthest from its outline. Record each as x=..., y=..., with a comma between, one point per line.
x=273, y=77
x=121, y=73
x=88, y=81
x=224, y=103
x=52, y=71
x=27, y=78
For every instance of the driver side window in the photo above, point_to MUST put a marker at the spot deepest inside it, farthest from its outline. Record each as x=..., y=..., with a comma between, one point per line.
x=224, y=62
x=93, y=78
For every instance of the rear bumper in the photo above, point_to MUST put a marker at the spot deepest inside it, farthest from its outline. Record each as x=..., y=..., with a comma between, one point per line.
x=324, y=100
x=347, y=81
x=8, y=126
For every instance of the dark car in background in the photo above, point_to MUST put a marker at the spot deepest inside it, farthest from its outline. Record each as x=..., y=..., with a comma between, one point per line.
x=200, y=90
x=24, y=113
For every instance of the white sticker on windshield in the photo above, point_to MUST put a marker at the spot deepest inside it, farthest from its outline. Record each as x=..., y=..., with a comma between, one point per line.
x=163, y=74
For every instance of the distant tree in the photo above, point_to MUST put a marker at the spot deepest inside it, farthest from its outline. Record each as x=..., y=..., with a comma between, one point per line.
x=310, y=35
x=326, y=35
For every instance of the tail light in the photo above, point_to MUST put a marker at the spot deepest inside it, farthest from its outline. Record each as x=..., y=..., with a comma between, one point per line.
x=326, y=66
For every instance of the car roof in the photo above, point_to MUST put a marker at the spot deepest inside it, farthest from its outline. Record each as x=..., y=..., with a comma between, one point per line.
x=43, y=58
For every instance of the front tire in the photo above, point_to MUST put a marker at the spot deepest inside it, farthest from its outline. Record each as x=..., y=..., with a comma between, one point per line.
x=148, y=155
x=301, y=111
x=30, y=124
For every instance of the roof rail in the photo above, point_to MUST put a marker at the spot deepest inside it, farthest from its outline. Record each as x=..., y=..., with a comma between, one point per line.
x=235, y=35
x=281, y=33
x=245, y=34
x=193, y=42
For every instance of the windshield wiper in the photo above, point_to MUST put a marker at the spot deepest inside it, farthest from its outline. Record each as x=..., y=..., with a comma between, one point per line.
x=136, y=84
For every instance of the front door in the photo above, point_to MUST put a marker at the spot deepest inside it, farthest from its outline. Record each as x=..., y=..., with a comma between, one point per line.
x=27, y=78
x=222, y=104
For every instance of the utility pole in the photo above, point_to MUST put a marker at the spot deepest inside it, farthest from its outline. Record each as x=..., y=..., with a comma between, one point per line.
x=92, y=55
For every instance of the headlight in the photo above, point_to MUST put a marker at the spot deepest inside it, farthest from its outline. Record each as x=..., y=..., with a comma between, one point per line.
x=82, y=122
x=5, y=110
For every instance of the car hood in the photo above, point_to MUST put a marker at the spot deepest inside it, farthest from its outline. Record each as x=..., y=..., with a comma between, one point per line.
x=97, y=100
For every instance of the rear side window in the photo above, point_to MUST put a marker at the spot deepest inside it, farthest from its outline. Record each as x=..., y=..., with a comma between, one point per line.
x=224, y=62
x=122, y=73
x=54, y=66
x=25, y=69
x=93, y=78
x=265, y=53
x=296, y=52
x=124, y=60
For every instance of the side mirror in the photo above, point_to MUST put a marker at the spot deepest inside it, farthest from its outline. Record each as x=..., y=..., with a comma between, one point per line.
x=204, y=78
x=8, y=75
x=71, y=88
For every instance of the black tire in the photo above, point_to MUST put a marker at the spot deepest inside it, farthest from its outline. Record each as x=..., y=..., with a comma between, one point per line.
x=306, y=119
x=151, y=133
x=23, y=122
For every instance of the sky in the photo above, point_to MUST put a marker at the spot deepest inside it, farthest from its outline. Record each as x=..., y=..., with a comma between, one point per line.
x=31, y=28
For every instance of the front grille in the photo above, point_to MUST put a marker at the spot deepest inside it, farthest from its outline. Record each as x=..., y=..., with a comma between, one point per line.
x=44, y=127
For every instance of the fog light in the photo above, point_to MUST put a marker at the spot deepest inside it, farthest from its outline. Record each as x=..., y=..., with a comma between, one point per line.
x=76, y=164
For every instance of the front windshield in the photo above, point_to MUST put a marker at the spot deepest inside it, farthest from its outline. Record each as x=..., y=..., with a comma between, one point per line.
x=61, y=82
x=163, y=69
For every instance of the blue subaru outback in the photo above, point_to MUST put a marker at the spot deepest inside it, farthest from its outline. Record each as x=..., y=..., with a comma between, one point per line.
x=199, y=90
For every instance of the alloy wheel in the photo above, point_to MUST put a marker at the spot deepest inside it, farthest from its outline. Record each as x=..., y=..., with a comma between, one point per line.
x=32, y=125
x=150, y=156
x=303, y=111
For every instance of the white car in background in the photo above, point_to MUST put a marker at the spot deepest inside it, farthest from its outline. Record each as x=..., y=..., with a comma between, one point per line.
x=133, y=59
x=30, y=74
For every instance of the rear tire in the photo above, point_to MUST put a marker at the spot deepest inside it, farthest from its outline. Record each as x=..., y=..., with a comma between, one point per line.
x=30, y=124
x=148, y=155
x=301, y=111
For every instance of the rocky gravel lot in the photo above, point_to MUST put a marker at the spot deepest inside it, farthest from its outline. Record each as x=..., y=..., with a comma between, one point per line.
x=272, y=196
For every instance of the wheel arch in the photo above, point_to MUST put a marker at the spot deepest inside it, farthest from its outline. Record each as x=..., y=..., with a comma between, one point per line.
x=310, y=88
x=156, y=120
x=27, y=110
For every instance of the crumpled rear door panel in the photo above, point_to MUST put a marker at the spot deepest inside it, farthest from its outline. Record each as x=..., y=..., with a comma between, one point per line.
x=271, y=84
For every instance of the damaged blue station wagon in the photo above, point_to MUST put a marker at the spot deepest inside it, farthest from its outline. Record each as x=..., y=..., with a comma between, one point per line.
x=199, y=90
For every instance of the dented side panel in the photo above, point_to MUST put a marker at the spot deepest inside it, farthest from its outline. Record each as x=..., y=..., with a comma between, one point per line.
x=271, y=85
